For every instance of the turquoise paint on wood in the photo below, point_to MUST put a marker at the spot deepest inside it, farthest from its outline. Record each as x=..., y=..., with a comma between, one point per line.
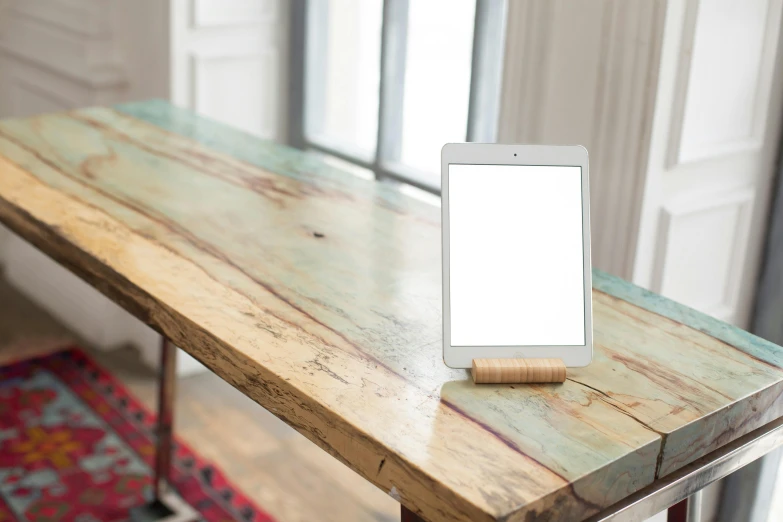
x=265, y=154
x=284, y=160
x=318, y=294
x=740, y=339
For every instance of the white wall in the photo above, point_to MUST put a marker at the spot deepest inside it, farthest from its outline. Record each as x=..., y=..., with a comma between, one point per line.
x=223, y=58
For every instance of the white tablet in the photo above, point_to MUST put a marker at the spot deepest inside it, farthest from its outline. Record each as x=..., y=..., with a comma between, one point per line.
x=516, y=253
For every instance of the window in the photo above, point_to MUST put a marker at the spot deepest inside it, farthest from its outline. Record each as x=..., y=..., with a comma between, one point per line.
x=383, y=84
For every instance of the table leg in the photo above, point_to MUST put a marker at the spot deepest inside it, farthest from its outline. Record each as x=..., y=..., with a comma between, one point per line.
x=165, y=504
x=164, y=430
x=694, y=507
x=406, y=515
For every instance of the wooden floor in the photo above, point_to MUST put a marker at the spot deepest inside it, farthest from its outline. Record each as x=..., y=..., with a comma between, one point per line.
x=280, y=470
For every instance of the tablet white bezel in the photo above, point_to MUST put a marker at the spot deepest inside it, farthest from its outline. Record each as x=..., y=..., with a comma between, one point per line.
x=493, y=154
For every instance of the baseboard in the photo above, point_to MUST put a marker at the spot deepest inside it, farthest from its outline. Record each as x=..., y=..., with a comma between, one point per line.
x=87, y=312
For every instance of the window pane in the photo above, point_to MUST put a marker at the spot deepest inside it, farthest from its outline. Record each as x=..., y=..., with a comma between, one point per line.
x=343, y=71
x=437, y=79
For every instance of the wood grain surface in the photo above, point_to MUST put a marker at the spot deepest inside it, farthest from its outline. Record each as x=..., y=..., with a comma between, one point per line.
x=512, y=371
x=317, y=294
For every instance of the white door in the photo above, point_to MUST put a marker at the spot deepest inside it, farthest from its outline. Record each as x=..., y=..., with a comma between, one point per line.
x=228, y=62
x=712, y=155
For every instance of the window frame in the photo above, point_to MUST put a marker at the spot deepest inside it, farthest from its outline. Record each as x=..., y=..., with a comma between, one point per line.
x=484, y=97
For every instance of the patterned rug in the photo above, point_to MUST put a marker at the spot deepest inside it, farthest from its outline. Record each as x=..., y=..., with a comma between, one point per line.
x=75, y=446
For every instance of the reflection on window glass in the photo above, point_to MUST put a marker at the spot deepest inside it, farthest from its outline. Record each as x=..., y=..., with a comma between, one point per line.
x=343, y=73
x=437, y=79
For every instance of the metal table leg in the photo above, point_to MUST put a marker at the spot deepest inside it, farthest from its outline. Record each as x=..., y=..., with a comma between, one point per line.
x=694, y=507
x=165, y=504
x=164, y=430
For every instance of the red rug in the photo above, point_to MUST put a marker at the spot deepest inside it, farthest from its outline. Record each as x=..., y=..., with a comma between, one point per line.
x=75, y=446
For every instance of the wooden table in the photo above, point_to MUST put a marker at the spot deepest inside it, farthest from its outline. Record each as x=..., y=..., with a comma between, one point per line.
x=317, y=294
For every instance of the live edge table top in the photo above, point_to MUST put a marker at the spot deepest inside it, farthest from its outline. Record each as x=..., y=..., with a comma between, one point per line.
x=318, y=294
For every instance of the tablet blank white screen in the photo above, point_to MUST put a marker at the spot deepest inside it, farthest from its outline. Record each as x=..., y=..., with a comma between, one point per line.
x=516, y=274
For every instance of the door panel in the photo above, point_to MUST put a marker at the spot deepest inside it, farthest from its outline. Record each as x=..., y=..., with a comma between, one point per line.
x=697, y=263
x=228, y=62
x=714, y=142
x=725, y=79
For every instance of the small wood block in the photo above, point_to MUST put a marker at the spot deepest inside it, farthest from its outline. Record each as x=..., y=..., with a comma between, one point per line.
x=508, y=371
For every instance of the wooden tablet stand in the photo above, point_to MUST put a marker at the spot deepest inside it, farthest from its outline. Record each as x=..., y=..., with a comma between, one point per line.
x=509, y=371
